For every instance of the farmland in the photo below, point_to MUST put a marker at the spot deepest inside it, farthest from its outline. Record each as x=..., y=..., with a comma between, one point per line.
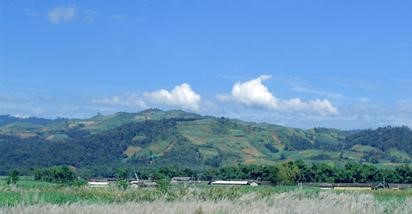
x=30, y=196
x=153, y=138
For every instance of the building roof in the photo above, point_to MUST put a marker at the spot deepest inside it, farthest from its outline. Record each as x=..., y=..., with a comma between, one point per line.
x=181, y=178
x=230, y=182
x=98, y=183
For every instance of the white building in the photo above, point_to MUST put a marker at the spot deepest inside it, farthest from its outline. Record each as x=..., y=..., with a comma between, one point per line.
x=234, y=183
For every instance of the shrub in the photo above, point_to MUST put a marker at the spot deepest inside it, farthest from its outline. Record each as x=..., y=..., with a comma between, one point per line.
x=163, y=185
x=13, y=177
x=122, y=178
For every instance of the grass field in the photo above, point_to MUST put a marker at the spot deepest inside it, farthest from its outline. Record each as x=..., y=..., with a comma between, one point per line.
x=40, y=197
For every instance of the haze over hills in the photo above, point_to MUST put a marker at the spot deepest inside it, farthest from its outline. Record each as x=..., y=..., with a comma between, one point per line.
x=153, y=138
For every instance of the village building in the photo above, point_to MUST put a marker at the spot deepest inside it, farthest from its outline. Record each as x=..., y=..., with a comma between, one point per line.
x=234, y=183
x=181, y=179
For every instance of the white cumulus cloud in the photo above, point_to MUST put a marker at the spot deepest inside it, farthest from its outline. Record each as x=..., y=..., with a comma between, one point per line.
x=180, y=96
x=255, y=93
x=61, y=14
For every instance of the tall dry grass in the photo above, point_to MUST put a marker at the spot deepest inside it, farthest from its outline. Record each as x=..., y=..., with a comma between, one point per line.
x=283, y=203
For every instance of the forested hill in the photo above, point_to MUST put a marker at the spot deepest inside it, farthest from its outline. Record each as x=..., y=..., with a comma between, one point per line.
x=153, y=138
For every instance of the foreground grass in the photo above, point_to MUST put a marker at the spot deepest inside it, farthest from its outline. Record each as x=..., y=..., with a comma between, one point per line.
x=30, y=196
x=285, y=203
x=24, y=195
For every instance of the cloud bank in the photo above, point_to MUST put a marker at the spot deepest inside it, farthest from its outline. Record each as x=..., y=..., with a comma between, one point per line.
x=249, y=100
x=127, y=100
x=254, y=93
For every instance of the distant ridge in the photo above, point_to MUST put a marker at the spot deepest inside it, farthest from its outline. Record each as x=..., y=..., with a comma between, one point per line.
x=154, y=138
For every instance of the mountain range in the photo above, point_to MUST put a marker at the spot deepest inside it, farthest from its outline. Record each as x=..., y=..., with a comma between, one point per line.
x=155, y=138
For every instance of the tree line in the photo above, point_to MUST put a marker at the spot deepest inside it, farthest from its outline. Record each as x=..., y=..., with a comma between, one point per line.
x=287, y=173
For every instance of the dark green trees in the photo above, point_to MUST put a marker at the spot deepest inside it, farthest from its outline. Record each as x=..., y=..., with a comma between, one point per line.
x=13, y=177
x=56, y=174
x=122, y=178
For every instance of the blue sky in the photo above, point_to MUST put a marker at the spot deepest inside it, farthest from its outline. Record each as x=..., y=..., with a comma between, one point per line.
x=343, y=64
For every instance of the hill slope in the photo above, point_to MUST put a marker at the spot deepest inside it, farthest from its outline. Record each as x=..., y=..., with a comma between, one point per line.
x=162, y=138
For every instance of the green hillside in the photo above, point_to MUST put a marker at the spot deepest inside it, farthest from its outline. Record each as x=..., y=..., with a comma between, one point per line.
x=153, y=138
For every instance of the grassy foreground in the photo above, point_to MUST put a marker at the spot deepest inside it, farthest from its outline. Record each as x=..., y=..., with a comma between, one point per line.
x=40, y=197
x=290, y=202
